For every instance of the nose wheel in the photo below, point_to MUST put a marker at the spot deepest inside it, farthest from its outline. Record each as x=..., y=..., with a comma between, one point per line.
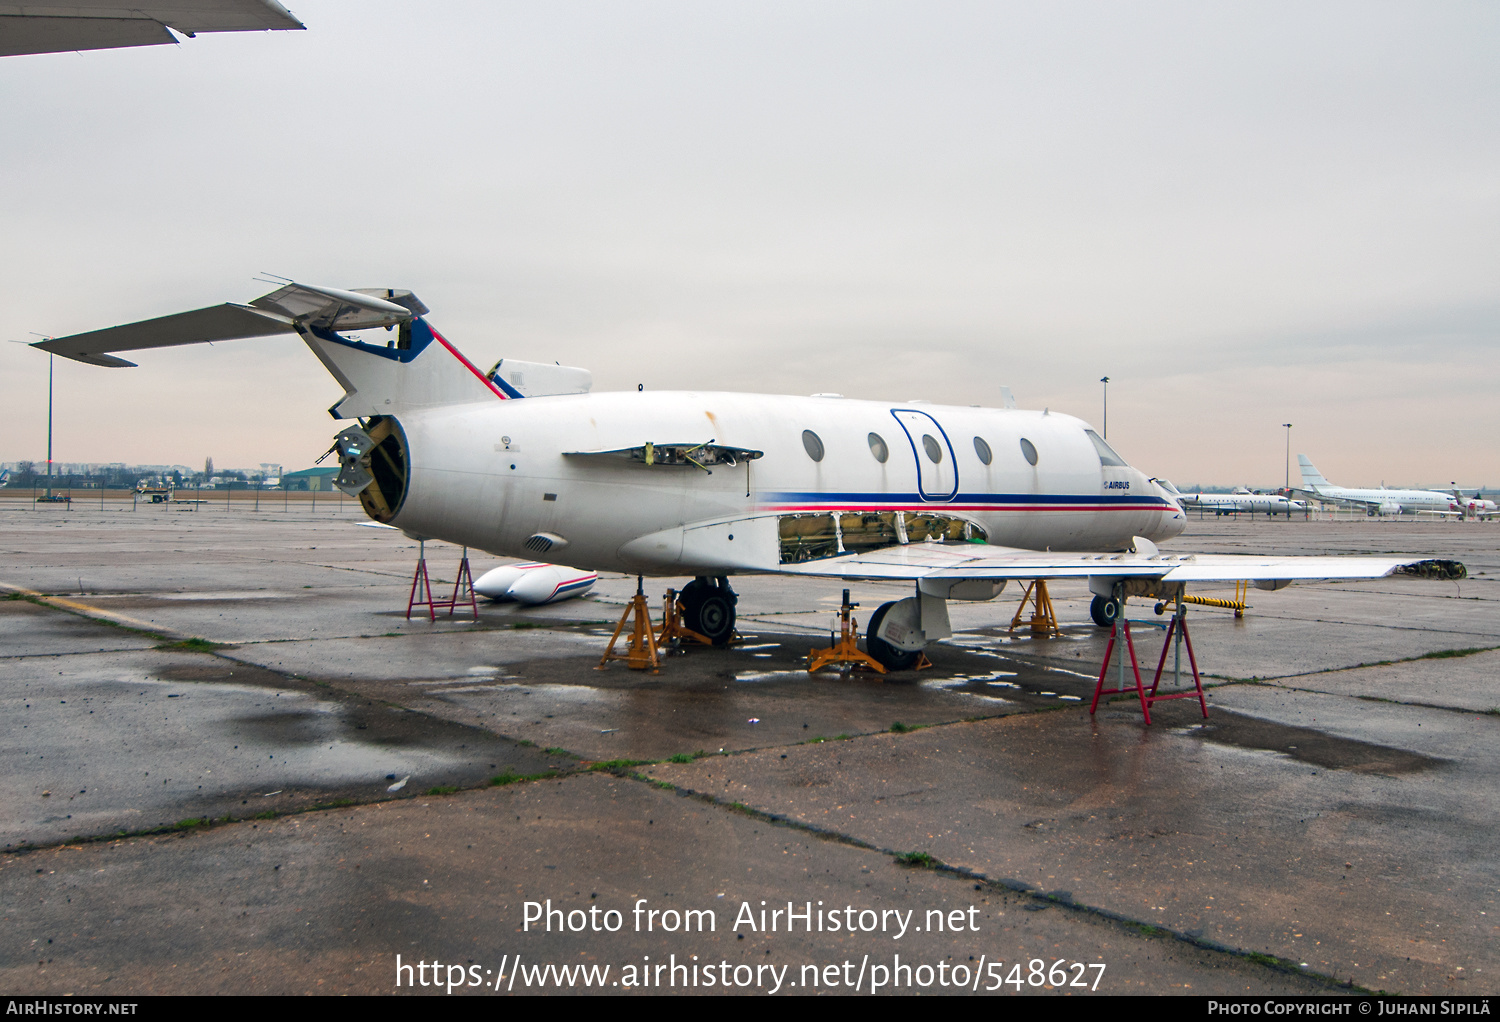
x=708, y=608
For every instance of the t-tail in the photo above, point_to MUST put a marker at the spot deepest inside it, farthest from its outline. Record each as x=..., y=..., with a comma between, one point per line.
x=415, y=368
x=409, y=369
x=1312, y=479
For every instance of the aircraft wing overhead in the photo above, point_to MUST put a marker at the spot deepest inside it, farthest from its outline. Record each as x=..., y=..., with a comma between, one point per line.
x=108, y=24
x=916, y=561
x=225, y=322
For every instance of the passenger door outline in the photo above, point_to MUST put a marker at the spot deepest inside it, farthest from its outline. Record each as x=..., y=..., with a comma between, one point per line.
x=931, y=478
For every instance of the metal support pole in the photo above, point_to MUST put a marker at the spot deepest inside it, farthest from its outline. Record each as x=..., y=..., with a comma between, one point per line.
x=1177, y=645
x=1119, y=593
x=49, y=425
x=1287, y=489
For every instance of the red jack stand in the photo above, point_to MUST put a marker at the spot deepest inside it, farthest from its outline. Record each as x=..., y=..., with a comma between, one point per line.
x=1178, y=630
x=641, y=651
x=421, y=586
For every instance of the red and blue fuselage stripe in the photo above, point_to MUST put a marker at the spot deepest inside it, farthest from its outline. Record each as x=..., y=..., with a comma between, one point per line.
x=980, y=502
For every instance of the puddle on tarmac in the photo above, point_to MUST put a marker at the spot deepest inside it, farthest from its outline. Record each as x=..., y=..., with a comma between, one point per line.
x=1306, y=745
x=768, y=675
x=962, y=685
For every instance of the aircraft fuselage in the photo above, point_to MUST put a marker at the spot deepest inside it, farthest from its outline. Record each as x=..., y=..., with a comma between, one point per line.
x=493, y=475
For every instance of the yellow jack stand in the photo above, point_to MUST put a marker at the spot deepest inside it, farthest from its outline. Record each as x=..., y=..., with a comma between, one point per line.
x=846, y=650
x=673, y=632
x=1043, y=620
x=641, y=652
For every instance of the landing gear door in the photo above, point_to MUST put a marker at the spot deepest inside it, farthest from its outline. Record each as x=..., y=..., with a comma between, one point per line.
x=937, y=468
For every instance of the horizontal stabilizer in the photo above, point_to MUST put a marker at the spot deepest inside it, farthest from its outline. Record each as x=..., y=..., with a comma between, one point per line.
x=227, y=322
x=286, y=310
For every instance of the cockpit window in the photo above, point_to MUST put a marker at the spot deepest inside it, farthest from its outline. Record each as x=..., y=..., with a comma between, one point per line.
x=1107, y=456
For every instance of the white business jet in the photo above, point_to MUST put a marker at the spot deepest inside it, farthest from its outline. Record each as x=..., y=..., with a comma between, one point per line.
x=1241, y=500
x=524, y=461
x=1376, y=501
x=1475, y=506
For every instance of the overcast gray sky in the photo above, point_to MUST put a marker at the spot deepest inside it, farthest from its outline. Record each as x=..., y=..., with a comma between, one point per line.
x=1243, y=213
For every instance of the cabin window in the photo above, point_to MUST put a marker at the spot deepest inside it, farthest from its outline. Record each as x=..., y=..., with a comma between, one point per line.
x=812, y=444
x=1106, y=455
x=983, y=450
x=934, y=452
x=1028, y=451
x=878, y=447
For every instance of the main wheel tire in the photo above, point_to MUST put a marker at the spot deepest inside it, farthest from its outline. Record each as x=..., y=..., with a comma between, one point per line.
x=1104, y=610
x=888, y=656
x=708, y=609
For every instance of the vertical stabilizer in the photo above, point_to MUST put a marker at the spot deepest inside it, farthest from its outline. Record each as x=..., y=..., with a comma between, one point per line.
x=1312, y=479
x=416, y=369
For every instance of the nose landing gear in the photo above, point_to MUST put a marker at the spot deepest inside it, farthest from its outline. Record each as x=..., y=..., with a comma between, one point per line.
x=708, y=608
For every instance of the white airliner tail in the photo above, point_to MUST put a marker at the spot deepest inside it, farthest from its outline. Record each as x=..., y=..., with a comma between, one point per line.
x=1312, y=479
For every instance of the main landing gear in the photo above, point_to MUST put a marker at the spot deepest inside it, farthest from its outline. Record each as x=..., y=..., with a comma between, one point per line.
x=1105, y=611
x=892, y=658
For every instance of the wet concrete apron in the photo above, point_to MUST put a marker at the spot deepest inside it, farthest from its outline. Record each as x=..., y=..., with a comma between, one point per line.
x=1323, y=815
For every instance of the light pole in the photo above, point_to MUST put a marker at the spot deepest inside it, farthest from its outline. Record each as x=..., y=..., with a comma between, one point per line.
x=49, y=426
x=1287, y=489
x=1105, y=380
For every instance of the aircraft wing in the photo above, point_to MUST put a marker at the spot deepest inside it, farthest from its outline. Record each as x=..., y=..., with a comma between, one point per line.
x=1324, y=498
x=108, y=24
x=956, y=561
